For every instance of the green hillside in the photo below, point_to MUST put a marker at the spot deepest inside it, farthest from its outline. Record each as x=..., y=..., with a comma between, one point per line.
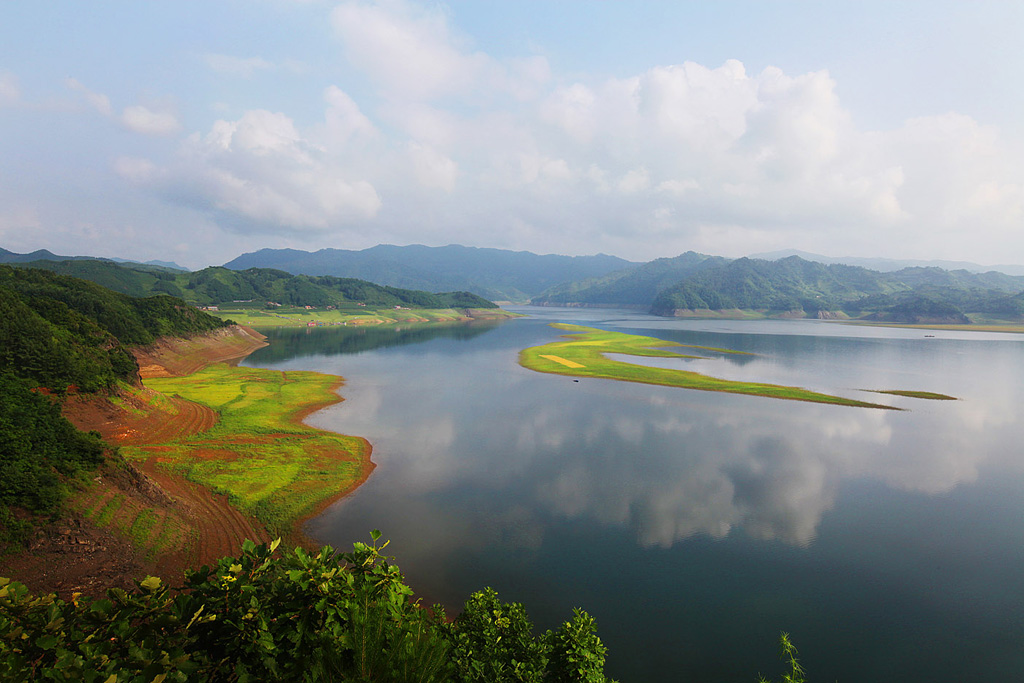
x=59, y=330
x=694, y=284
x=217, y=286
x=60, y=334
x=636, y=286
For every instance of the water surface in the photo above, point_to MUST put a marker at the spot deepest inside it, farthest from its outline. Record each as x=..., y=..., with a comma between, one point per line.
x=695, y=526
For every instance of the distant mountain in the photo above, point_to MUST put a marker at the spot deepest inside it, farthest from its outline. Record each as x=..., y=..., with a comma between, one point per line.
x=635, y=286
x=171, y=265
x=886, y=265
x=795, y=287
x=45, y=255
x=495, y=274
x=217, y=285
x=38, y=255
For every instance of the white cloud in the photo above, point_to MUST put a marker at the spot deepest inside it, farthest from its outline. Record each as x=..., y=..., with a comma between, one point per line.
x=433, y=169
x=412, y=54
x=407, y=49
x=260, y=174
x=343, y=118
x=148, y=122
x=430, y=137
x=97, y=101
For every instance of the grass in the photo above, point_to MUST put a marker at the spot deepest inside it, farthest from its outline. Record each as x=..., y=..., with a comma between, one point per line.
x=259, y=452
x=929, y=395
x=300, y=317
x=586, y=348
x=153, y=532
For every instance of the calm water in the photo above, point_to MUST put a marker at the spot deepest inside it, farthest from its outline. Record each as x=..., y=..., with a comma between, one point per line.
x=696, y=526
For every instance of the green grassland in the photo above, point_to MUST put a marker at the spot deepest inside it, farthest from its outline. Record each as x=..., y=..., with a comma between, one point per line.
x=583, y=356
x=345, y=315
x=259, y=453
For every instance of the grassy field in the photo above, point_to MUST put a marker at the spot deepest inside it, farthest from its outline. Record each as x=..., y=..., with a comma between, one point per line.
x=582, y=355
x=259, y=452
x=300, y=317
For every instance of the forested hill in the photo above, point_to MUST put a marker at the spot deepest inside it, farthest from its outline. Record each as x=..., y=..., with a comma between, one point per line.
x=217, y=285
x=496, y=274
x=795, y=287
x=636, y=286
x=800, y=287
x=60, y=334
x=58, y=331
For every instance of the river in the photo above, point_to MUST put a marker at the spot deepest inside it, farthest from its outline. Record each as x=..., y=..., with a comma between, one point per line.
x=696, y=526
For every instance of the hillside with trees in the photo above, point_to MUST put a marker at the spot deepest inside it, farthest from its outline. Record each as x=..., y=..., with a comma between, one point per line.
x=62, y=335
x=694, y=284
x=217, y=285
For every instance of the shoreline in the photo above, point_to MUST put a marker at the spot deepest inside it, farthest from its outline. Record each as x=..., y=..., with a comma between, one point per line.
x=105, y=511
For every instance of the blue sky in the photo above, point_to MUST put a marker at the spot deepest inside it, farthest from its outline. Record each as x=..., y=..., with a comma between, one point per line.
x=196, y=131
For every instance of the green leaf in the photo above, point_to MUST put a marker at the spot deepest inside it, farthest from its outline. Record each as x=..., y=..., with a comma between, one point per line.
x=47, y=642
x=150, y=583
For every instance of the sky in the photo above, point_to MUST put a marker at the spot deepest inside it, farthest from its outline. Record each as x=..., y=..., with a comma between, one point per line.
x=195, y=131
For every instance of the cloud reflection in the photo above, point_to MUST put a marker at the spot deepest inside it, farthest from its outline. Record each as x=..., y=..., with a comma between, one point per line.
x=666, y=464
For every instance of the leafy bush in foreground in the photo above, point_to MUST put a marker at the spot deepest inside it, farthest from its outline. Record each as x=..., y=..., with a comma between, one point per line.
x=296, y=617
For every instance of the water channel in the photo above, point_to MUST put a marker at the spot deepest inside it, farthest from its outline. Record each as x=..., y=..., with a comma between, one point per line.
x=696, y=526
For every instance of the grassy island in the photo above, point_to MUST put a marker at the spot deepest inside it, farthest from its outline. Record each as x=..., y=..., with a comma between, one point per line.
x=583, y=355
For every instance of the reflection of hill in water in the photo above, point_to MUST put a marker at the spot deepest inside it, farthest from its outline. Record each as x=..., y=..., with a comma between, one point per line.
x=288, y=343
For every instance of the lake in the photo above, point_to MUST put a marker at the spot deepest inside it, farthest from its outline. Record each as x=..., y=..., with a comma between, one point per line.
x=696, y=526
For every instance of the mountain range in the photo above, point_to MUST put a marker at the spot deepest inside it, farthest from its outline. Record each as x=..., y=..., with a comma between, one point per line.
x=45, y=255
x=684, y=285
x=495, y=274
x=887, y=265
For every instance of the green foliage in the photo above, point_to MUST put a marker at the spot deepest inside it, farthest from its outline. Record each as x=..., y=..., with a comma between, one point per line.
x=296, y=617
x=577, y=654
x=788, y=653
x=493, y=642
x=38, y=446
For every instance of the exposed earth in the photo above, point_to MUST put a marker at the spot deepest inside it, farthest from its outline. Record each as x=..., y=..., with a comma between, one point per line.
x=128, y=520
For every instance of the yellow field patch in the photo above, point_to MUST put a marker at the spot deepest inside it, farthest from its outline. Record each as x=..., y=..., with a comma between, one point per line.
x=563, y=361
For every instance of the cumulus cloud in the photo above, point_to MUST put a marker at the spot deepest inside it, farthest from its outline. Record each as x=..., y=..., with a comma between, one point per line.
x=148, y=122
x=714, y=158
x=260, y=174
x=136, y=118
x=433, y=169
x=412, y=54
x=407, y=49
